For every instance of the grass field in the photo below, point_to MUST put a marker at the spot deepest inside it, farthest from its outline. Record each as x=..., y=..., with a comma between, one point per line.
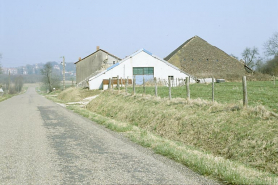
x=259, y=93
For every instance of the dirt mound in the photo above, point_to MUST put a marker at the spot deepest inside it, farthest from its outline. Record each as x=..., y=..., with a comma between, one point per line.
x=71, y=94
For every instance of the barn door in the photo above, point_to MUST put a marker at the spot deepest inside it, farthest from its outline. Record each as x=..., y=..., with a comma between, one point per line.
x=141, y=73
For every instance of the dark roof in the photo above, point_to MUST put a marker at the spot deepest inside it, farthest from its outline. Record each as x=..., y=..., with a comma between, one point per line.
x=96, y=52
x=186, y=42
x=176, y=50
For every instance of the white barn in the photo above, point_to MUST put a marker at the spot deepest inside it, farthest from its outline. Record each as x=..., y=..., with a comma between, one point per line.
x=141, y=64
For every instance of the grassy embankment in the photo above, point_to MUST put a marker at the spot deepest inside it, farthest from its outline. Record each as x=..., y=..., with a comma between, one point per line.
x=225, y=141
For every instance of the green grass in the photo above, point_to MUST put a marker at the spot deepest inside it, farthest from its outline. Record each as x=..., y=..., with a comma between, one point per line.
x=5, y=96
x=207, y=164
x=245, y=135
x=259, y=93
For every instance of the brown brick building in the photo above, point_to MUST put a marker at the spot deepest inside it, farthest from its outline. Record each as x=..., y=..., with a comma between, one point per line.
x=202, y=60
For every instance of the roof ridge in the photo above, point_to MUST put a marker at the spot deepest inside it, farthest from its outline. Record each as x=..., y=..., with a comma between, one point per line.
x=96, y=52
x=186, y=42
x=178, y=48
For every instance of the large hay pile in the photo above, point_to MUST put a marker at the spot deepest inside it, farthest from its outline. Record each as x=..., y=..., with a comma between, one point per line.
x=74, y=94
x=71, y=94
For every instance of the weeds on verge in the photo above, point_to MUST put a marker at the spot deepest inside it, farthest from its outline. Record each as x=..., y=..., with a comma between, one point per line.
x=246, y=135
x=229, y=172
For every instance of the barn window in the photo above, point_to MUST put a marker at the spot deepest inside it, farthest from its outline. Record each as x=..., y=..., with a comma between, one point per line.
x=143, y=71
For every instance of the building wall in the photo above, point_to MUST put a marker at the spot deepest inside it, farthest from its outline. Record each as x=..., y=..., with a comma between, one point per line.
x=201, y=60
x=142, y=59
x=91, y=64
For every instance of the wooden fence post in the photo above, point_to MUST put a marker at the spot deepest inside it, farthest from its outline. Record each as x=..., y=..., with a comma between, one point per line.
x=169, y=83
x=212, y=89
x=118, y=82
x=126, y=84
x=112, y=83
x=134, y=81
x=155, y=83
x=244, y=87
x=187, y=88
x=121, y=82
x=144, y=88
x=109, y=83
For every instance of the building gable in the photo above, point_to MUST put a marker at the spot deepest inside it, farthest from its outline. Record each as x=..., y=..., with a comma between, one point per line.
x=92, y=64
x=199, y=58
x=141, y=64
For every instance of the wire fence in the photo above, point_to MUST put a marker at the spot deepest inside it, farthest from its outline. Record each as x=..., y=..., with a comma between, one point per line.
x=245, y=92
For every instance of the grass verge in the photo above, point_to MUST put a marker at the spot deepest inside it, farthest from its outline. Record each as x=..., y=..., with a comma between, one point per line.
x=207, y=164
x=247, y=135
x=6, y=96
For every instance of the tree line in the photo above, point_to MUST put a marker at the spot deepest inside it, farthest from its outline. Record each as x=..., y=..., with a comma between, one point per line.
x=267, y=65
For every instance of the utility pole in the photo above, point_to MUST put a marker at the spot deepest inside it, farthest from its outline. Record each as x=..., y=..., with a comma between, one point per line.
x=9, y=80
x=64, y=78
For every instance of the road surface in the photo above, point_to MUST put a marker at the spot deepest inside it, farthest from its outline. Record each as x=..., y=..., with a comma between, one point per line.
x=44, y=143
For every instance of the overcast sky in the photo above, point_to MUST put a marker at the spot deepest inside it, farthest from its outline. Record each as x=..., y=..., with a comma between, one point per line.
x=35, y=31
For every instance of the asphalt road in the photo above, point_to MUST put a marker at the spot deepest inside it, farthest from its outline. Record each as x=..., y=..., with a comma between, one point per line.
x=44, y=143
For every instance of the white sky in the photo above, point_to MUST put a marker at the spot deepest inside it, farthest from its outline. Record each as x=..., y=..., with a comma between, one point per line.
x=34, y=31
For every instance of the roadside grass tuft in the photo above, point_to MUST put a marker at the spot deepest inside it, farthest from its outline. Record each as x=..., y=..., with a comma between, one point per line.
x=5, y=96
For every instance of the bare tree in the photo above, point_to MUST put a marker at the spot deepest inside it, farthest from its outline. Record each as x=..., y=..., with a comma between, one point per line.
x=271, y=46
x=259, y=64
x=49, y=79
x=18, y=83
x=249, y=56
